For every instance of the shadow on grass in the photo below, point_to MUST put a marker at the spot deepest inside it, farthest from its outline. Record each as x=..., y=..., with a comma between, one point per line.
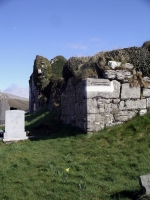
x=45, y=125
x=133, y=195
x=61, y=131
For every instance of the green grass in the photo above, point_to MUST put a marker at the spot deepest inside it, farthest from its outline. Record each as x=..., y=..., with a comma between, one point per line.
x=103, y=166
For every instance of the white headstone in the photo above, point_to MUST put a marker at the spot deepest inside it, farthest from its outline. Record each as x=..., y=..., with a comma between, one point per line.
x=144, y=181
x=14, y=125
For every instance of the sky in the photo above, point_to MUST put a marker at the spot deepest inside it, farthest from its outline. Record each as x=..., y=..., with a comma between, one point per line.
x=64, y=27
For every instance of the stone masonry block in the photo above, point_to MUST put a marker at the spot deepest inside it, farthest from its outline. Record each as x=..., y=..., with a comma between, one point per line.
x=146, y=92
x=135, y=104
x=123, y=74
x=112, y=91
x=148, y=102
x=128, y=92
x=116, y=101
x=123, y=116
x=120, y=75
x=121, y=105
x=110, y=74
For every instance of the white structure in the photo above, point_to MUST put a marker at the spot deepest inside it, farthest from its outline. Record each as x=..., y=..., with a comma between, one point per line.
x=14, y=126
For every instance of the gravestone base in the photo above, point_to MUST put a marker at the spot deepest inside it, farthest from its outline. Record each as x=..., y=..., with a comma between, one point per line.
x=9, y=139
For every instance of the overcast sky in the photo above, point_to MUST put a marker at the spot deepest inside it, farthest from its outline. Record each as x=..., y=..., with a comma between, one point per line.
x=64, y=27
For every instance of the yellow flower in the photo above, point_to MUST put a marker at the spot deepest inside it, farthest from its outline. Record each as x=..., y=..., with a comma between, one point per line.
x=67, y=170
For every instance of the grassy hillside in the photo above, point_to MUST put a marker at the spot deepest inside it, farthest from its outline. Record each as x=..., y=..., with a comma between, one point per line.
x=63, y=163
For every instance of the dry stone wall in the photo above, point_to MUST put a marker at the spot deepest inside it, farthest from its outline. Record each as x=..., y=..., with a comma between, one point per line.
x=94, y=104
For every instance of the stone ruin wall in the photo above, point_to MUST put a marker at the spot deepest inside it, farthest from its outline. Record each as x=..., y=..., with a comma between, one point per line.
x=97, y=103
x=33, y=96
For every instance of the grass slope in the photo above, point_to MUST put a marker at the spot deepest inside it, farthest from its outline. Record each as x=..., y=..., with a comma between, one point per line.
x=104, y=166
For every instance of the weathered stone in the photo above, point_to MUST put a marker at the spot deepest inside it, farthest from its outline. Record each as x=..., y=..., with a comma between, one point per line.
x=108, y=108
x=123, y=74
x=110, y=74
x=148, y=103
x=91, y=103
x=146, y=92
x=114, y=108
x=116, y=101
x=92, y=106
x=101, y=86
x=91, y=118
x=143, y=112
x=128, y=92
x=91, y=110
x=114, y=91
x=101, y=108
x=33, y=96
x=102, y=101
x=128, y=66
x=109, y=118
x=97, y=82
x=121, y=105
x=95, y=126
x=135, y=104
x=144, y=181
x=147, y=79
x=114, y=64
x=124, y=115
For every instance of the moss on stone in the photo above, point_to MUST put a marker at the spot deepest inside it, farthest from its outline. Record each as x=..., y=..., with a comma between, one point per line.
x=47, y=76
x=41, y=72
x=57, y=65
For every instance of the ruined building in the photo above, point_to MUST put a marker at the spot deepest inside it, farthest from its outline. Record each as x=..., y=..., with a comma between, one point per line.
x=45, y=81
x=102, y=90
